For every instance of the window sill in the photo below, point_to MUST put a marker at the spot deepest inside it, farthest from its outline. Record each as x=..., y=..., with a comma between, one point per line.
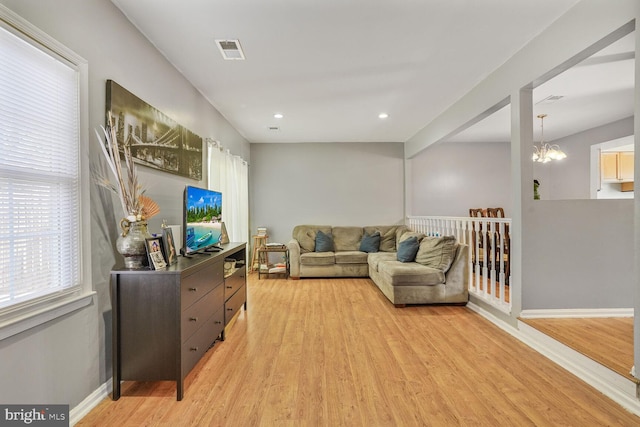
x=27, y=321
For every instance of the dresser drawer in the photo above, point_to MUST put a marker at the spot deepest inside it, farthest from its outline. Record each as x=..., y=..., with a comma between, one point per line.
x=196, y=285
x=234, y=282
x=196, y=315
x=196, y=346
x=234, y=304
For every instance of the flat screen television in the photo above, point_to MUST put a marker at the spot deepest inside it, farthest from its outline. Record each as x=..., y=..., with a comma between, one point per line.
x=202, y=219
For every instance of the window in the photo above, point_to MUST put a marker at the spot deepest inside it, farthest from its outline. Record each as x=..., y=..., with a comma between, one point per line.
x=41, y=176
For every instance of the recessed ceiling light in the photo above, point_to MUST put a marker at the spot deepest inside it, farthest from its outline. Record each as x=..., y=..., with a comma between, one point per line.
x=278, y=115
x=383, y=115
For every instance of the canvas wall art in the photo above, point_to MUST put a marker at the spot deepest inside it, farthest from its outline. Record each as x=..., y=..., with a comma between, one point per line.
x=156, y=140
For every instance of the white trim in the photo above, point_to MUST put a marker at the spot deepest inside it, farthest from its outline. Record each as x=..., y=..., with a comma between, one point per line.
x=50, y=312
x=576, y=313
x=31, y=31
x=90, y=402
x=613, y=385
x=20, y=317
x=493, y=319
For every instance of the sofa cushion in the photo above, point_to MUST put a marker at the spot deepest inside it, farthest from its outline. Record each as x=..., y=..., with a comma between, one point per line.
x=306, y=235
x=346, y=238
x=387, y=236
x=351, y=257
x=410, y=273
x=409, y=233
x=370, y=242
x=374, y=259
x=407, y=249
x=324, y=242
x=437, y=252
x=318, y=258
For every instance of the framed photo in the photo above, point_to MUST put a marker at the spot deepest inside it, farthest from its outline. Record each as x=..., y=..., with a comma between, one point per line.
x=156, y=140
x=169, y=245
x=154, y=252
x=224, y=236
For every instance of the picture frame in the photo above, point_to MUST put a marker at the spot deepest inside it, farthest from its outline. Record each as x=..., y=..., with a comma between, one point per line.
x=169, y=245
x=154, y=253
x=155, y=140
x=224, y=236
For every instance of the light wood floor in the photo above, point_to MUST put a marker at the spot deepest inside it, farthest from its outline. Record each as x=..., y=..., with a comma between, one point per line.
x=608, y=341
x=334, y=352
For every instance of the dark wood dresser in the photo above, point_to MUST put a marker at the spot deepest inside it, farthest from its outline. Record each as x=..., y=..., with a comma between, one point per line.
x=165, y=320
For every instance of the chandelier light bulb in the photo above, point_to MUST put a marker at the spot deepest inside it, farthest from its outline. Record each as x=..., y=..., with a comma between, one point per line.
x=544, y=152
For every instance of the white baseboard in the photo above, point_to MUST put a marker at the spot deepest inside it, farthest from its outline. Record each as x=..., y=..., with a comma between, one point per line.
x=613, y=385
x=91, y=401
x=576, y=312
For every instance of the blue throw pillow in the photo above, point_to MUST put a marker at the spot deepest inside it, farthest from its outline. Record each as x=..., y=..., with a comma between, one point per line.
x=324, y=242
x=370, y=243
x=407, y=249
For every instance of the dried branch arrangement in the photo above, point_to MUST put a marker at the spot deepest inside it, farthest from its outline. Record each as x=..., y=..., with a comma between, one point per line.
x=135, y=204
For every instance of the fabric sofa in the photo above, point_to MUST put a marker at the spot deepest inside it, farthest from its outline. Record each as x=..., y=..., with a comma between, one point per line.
x=402, y=283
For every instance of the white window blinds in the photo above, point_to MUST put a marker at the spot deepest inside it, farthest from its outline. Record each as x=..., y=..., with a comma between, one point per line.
x=39, y=173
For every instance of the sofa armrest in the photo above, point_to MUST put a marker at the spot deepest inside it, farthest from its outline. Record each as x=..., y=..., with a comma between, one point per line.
x=294, y=258
x=457, y=278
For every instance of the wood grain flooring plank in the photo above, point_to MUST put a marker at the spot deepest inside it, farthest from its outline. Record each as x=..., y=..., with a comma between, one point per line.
x=335, y=352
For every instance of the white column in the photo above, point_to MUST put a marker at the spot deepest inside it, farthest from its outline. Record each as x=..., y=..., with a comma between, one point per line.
x=522, y=188
x=636, y=203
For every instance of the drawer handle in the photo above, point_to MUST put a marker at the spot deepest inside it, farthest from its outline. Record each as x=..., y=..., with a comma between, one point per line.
x=193, y=289
x=194, y=349
x=229, y=287
x=229, y=309
x=217, y=322
x=193, y=319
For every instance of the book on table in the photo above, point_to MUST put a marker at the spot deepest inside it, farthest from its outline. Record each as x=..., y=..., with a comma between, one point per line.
x=276, y=245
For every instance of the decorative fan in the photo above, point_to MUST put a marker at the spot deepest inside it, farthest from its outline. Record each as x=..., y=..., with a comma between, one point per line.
x=149, y=206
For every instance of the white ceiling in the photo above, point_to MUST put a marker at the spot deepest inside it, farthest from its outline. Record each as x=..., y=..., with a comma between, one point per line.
x=332, y=66
x=597, y=91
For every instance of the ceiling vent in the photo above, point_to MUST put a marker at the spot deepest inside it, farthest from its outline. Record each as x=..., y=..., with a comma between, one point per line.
x=549, y=99
x=274, y=128
x=230, y=50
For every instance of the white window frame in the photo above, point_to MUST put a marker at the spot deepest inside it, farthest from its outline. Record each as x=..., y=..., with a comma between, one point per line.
x=20, y=317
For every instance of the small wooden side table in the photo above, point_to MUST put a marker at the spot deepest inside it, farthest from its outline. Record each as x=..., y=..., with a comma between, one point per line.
x=258, y=242
x=263, y=260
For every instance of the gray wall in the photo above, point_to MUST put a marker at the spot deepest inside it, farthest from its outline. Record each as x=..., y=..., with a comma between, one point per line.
x=580, y=224
x=65, y=360
x=571, y=177
x=325, y=183
x=578, y=254
x=449, y=178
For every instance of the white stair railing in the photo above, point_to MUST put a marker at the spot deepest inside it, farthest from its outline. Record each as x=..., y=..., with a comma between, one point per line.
x=489, y=243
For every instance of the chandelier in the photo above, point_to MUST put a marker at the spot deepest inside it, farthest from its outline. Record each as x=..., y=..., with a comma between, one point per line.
x=545, y=152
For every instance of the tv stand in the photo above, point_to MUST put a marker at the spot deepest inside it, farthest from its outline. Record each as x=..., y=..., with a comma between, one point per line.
x=191, y=254
x=164, y=321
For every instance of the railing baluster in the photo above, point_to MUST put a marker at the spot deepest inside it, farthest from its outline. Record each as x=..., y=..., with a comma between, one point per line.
x=489, y=276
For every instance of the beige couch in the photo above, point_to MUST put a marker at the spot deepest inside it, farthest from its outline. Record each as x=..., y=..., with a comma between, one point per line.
x=401, y=282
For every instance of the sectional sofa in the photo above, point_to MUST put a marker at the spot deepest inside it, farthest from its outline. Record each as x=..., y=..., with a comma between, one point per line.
x=438, y=273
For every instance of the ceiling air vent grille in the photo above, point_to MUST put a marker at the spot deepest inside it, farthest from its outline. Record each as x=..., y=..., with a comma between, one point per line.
x=230, y=50
x=549, y=99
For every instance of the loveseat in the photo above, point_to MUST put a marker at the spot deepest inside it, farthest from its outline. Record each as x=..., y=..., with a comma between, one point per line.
x=436, y=272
